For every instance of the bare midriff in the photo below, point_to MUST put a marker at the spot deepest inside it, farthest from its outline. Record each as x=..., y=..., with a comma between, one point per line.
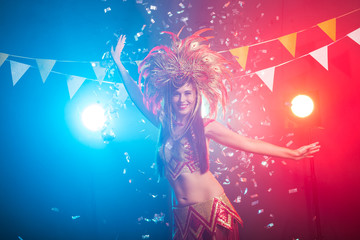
x=191, y=188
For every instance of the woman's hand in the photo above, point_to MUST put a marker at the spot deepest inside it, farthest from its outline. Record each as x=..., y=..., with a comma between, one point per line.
x=119, y=47
x=306, y=151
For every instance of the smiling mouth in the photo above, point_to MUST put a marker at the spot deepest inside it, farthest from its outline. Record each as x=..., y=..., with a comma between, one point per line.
x=182, y=107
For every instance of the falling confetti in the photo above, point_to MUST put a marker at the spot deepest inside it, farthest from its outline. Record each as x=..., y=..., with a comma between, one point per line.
x=238, y=199
x=158, y=217
x=127, y=157
x=108, y=135
x=227, y=181
x=108, y=9
x=270, y=225
x=226, y=4
x=294, y=190
x=243, y=179
x=254, y=195
x=55, y=209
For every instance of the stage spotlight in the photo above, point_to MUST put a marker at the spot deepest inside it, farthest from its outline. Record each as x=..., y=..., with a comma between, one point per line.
x=93, y=117
x=302, y=106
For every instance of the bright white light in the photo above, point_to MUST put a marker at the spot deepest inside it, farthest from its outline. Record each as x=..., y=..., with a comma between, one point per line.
x=302, y=106
x=205, y=107
x=93, y=117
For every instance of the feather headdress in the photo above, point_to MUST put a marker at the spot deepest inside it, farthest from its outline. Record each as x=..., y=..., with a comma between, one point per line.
x=189, y=58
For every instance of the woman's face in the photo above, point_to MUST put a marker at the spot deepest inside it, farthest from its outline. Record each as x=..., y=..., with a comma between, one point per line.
x=183, y=99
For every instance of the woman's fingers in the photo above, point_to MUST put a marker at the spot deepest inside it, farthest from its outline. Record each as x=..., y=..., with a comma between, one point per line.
x=119, y=47
x=315, y=144
x=308, y=151
x=122, y=38
x=314, y=151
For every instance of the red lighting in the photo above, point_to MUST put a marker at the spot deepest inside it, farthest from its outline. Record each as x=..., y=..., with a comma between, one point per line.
x=302, y=106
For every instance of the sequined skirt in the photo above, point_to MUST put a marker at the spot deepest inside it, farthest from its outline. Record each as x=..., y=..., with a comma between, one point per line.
x=213, y=219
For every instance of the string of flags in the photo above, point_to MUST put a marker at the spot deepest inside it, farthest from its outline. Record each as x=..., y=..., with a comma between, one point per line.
x=320, y=55
x=45, y=66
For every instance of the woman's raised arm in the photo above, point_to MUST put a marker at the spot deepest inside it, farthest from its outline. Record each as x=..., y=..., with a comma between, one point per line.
x=131, y=87
x=225, y=136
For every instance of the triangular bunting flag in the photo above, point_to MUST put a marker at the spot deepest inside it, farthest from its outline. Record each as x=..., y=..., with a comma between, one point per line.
x=121, y=94
x=100, y=72
x=241, y=54
x=45, y=67
x=3, y=57
x=321, y=55
x=17, y=70
x=329, y=27
x=74, y=83
x=355, y=35
x=267, y=76
x=289, y=42
x=138, y=62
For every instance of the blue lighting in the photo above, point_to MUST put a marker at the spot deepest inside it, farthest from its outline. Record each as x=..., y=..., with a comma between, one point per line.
x=93, y=117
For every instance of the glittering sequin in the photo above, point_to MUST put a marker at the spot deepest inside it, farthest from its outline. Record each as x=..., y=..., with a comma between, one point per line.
x=191, y=221
x=180, y=158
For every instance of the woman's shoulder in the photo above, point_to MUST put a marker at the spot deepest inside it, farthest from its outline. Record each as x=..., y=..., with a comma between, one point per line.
x=207, y=121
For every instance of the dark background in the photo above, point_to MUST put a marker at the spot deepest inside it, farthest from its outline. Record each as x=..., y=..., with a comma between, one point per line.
x=59, y=181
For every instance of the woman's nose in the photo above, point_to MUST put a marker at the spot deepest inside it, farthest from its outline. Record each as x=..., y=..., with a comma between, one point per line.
x=182, y=97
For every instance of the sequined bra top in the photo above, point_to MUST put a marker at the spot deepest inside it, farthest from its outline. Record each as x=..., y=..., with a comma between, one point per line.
x=180, y=156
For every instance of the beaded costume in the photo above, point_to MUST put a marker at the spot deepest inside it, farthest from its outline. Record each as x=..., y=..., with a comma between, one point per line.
x=201, y=220
x=180, y=158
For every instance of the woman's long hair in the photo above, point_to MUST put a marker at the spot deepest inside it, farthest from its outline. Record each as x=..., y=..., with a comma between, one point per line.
x=173, y=65
x=195, y=132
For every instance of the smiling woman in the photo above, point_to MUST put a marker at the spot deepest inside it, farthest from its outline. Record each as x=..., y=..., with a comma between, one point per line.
x=174, y=79
x=183, y=101
x=53, y=170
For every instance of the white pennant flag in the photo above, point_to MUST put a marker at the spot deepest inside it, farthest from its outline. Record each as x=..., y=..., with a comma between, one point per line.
x=17, y=70
x=267, y=76
x=100, y=72
x=45, y=67
x=74, y=83
x=3, y=57
x=355, y=35
x=321, y=55
x=121, y=94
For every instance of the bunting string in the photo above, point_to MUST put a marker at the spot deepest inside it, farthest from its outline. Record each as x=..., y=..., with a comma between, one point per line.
x=45, y=66
x=303, y=30
x=260, y=72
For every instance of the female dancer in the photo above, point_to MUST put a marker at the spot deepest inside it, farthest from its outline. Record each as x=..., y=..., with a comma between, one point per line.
x=174, y=79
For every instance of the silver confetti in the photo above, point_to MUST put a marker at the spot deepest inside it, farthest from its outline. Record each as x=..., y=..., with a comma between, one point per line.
x=270, y=225
x=294, y=190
